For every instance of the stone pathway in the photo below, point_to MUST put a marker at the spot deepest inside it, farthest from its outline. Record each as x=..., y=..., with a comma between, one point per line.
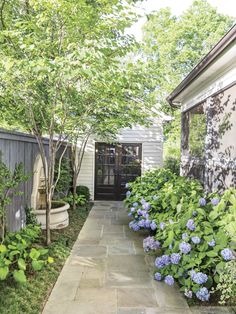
x=108, y=272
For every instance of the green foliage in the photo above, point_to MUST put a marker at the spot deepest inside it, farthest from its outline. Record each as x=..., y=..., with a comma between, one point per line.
x=18, y=256
x=80, y=200
x=30, y=297
x=172, y=46
x=227, y=282
x=83, y=190
x=180, y=214
x=30, y=216
x=65, y=179
x=173, y=164
x=9, y=182
x=64, y=75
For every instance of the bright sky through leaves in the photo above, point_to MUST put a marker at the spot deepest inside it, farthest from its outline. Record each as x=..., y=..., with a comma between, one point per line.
x=177, y=7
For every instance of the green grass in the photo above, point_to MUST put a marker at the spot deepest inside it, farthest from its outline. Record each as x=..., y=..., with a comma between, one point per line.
x=31, y=297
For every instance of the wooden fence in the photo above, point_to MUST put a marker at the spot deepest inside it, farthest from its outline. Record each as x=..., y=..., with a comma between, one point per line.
x=19, y=147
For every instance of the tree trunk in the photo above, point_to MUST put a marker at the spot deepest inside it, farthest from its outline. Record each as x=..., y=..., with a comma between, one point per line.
x=48, y=212
x=2, y=229
x=74, y=192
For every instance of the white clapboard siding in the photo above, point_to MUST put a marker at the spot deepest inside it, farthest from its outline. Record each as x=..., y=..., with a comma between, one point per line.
x=152, y=150
x=86, y=175
x=151, y=155
x=140, y=134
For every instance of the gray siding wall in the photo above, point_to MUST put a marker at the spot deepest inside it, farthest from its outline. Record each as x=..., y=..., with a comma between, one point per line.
x=18, y=147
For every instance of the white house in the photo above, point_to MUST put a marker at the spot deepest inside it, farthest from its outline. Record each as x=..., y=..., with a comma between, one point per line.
x=207, y=97
x=106, y=168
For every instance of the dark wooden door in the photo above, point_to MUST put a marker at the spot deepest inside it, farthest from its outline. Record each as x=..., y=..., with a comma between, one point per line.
x=115, y=165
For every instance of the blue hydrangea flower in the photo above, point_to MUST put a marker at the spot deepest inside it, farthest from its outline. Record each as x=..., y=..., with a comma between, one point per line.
x=146, y=206
x=139, y=212
x=130, y=214
x=188, y=294
x=150, y=243
x=142, y=201
x=153, y=225
x=132, y=209
x=141, y=223
x=199, y=277
x=192, y=273
x=215, y=201
x=190, y=224
x=159, y=263
x=162, y=261
x=162, y=225
x=128, y=193
x=145, y=215
x=196, y=240
x=184, y=236
x=203, y=294
x=175, y=258
x=134, y=225
x=127, y=185
x=166, y=259
x=135, y=204
x=157, y=276
x=184, y=247
x=227, y=254
x=202, y=201
x=147, y=223
x=212, y=243
x=169, y=280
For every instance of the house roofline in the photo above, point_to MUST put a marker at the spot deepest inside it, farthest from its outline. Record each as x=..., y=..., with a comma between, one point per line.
x=228, y=38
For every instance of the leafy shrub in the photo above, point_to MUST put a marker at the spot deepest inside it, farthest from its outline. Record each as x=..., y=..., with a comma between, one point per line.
x=173, y=164
x=9, y=182
x=64, y=183
x=83, y=190
x=227, y=282
x=30, y=216
x=80, y=200
x=195, y=233
x=18, y=256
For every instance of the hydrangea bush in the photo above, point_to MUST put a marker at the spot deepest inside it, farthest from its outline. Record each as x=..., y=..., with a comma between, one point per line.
x=195, y=231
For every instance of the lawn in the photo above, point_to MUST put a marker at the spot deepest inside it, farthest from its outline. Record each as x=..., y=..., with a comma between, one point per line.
x=31, y=297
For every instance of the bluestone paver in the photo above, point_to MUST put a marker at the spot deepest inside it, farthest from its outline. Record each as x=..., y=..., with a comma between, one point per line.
x=108, y=272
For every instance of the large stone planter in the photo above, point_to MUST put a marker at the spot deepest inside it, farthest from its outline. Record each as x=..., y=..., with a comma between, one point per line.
x=59, y=215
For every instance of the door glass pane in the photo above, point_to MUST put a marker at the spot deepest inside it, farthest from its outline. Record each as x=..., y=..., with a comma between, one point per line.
x=105, y=175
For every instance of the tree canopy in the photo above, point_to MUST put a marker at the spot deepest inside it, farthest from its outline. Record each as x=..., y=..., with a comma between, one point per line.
x=173, y=45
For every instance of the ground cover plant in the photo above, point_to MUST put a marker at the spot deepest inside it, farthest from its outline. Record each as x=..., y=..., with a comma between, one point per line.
x=30, y=296
x=192, y=232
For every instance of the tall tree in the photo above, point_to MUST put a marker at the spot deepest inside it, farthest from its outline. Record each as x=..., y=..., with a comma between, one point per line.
x=60, y=72
x=173, y=45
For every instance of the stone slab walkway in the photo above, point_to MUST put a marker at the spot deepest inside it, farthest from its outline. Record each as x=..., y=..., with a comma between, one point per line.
x=108, y=273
